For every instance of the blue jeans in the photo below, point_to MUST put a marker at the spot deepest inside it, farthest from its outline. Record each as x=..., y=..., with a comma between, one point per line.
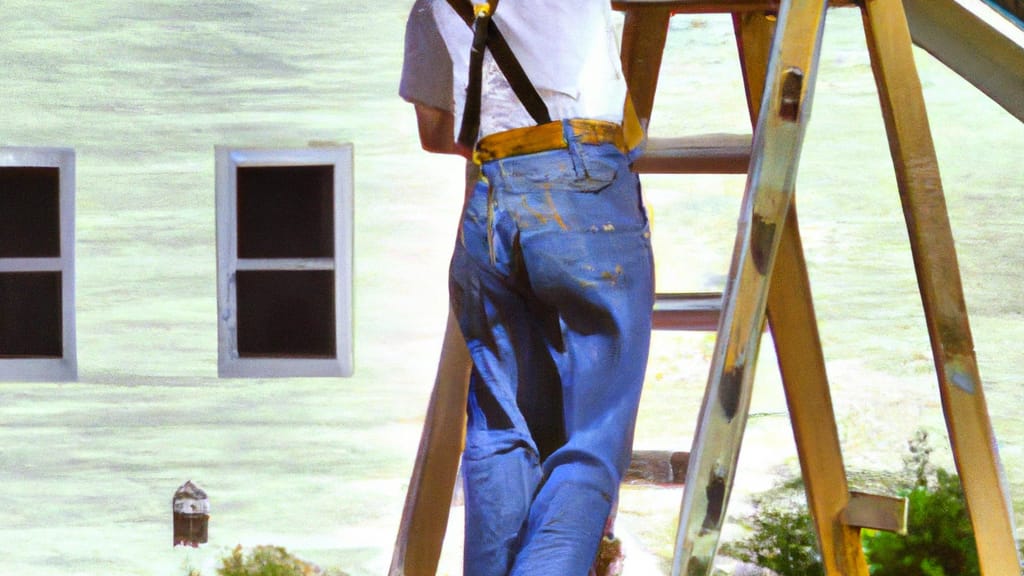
x=552, y=283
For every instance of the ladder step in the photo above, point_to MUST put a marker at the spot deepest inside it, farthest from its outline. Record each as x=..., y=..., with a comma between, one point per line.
x=876, y=512
x=698, y=6
x=657, y=467
x=697, y=311
x=714, y=6
x=701, y=154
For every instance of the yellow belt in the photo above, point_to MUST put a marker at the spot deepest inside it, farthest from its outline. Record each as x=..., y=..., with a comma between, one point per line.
x=549, y=136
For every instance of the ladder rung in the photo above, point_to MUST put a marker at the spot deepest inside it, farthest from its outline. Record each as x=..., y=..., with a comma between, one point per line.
x=712, y=6
x=699, y=6
x=877, y=512
x=703, y=154
x=657, y=467
x=698, y=311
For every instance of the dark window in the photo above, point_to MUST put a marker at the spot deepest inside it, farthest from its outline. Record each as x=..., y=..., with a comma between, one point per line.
x=30, y=315
x=29, y=212
x=286, y=212
x=286, y=313
x=284, y=252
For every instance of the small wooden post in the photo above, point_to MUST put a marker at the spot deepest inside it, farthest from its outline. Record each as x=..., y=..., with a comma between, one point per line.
x=191, y=511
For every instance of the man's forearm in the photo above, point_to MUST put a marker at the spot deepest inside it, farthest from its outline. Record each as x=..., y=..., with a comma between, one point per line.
x=437, y=129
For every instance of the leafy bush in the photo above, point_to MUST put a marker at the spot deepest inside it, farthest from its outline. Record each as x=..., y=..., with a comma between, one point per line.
x=269, y=561
x=783, y=537
x=939, y=539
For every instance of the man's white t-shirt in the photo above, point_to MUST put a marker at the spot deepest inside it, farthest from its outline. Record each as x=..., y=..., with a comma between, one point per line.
x=568, y=49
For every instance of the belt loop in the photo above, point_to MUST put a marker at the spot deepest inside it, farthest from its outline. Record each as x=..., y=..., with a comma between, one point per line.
x=573, y=147
x=568, y=133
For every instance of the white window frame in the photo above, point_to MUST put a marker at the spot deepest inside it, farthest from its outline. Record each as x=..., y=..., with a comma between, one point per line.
x=229, y=363
x=49, y=369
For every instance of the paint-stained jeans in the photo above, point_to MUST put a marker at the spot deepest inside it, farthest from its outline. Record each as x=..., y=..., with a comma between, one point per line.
x=552, y=283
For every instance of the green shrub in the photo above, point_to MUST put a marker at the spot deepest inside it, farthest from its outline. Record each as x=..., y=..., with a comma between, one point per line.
x=939, y=539
x=783, y=537
x=269, y=561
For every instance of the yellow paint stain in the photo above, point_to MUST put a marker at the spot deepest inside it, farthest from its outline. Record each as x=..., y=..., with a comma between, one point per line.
x=609, y=227
x=613, y=277
x=554, y=211
x=540, y=216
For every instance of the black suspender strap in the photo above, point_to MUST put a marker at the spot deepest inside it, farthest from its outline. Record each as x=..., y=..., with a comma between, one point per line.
x=486, y=33
x=471, y=111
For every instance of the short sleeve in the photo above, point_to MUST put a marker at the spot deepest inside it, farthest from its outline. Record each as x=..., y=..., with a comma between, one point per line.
x=426, y=66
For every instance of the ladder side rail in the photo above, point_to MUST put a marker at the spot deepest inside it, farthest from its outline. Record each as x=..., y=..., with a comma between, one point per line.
x=802, y=364
x=428, y=499
x=777, y=142
x=644, y=33
x=984, y=51
x=801, y=360
x=938, y=275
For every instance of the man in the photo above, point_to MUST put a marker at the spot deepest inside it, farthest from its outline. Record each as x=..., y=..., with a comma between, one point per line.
x=552, y=274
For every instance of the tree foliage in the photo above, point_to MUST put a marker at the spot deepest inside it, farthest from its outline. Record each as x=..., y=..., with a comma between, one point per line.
x=939, y=539
x=782, y=537
x=268, y=561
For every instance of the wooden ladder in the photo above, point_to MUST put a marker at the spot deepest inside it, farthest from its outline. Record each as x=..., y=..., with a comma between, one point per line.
x=778, y=49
